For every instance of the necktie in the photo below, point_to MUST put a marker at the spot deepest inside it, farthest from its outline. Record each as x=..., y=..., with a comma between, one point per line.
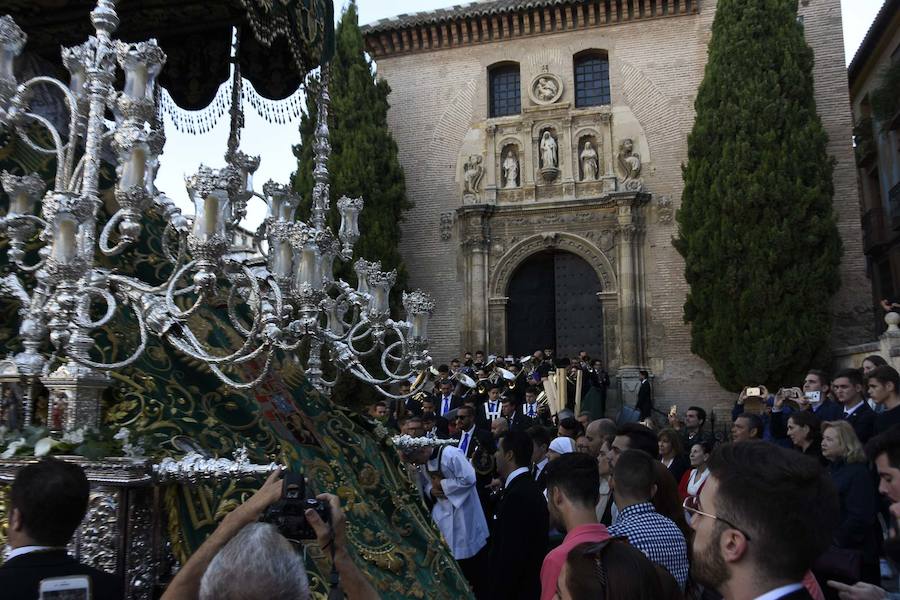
x=464, y=444
x=531, y=410
x=445, y=406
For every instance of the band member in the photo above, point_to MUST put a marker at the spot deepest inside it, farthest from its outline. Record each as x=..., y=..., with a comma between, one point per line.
x=478, y=362
x=445, y=400
x=510, y=410
x=490, y=409
x=539, y=412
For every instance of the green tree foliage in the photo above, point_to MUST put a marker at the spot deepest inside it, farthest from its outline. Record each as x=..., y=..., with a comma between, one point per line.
x=363, y=163
x=757, y=229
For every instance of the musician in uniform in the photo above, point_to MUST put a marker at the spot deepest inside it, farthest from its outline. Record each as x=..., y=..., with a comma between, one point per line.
x=535, y=409
x=445, y=400
x=514, y=417
x=490, y=409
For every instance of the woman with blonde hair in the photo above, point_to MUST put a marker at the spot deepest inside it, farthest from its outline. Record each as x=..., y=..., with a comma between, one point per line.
x=856, y=489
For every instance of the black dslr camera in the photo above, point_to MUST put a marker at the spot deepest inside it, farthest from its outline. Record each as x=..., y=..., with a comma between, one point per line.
x=287, y=514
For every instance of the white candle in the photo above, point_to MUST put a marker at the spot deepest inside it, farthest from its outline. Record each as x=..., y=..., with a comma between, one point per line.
x=64, y=241
x=21, y=204
x=136, y=81
x=210, y=216
x=282, y=259
x=133, y=170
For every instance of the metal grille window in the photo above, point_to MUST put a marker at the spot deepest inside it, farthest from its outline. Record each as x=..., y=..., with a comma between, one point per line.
x=505, y=91
x=591, y=81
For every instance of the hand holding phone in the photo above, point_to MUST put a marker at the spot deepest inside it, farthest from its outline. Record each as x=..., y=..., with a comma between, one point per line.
x=73, y=587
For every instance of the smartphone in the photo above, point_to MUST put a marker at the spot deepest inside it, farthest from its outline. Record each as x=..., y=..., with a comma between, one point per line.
x=813, y=397
x=754, y=392
x=73, y=587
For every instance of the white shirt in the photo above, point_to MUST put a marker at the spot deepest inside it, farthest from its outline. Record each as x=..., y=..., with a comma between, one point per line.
x=514, y=474
x=14, y=552
x=530, y=410
x=459, y=515
x=850, y=411
x=781, y=592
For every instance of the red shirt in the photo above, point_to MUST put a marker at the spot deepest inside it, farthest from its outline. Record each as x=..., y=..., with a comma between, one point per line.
x=554, y=561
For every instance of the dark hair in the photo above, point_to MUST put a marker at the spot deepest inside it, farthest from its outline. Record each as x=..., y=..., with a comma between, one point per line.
x=667, y=500
x=629, y=574
x=701, y=413
x=887, y=442
x=572, y=424
x=671, y=436
x=634, y=474
x=755, y=476
x=644, y=373
x=519, y=444
x=576, y=474
x=886, y=374
x=379, y=404
x=51, y=496
x=467, y=407
x=539, y=435
x=876, y=360
x=854, y=375
x=444, y=368
x=806, y=418
x=531, y=390
x=707, y=445
x=640, y=437
x=753, y=422
x=822, y=375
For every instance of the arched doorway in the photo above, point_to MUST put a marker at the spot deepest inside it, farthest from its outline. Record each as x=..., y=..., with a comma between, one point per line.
x=553, y=303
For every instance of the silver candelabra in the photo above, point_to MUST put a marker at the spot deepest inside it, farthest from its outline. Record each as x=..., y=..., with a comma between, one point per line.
x=293, y=304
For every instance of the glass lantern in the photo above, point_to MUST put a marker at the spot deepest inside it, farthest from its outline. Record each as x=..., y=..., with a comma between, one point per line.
x=65, y=238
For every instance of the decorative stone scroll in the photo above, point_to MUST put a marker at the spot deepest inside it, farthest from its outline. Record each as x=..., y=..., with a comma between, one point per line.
x=630, y=166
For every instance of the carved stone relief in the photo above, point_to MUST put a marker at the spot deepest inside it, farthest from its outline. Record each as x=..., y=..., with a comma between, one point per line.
x=509, y=168
x=473, y=173
x=665, y=212
x=546, y=88
x=629, y=163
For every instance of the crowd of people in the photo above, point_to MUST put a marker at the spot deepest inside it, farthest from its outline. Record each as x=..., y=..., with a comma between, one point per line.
x=801, y=503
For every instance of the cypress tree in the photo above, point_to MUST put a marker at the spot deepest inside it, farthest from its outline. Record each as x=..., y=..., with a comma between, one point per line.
x=363, y=163
x=756, y=226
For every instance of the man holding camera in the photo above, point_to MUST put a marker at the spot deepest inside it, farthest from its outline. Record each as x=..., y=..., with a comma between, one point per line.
x=241, y=550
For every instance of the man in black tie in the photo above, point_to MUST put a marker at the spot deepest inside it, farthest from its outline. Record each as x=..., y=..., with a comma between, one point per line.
x=47, y=502
x=644, y=395
x=847, y=386
x=510, y=410
x=540, y=437
x=521, y=524
x=445, y=400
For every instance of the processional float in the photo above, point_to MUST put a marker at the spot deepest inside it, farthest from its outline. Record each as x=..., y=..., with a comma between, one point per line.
x=281, y=305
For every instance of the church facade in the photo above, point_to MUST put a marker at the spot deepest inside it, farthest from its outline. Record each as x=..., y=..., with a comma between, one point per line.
x=542, y=144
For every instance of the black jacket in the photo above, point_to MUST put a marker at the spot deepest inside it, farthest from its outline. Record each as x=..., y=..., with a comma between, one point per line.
x=520, y=533
x=21, y=576
x=519, y=422
x=680, y=465
x=863, y=421
x=859, y=505
x=644, y=398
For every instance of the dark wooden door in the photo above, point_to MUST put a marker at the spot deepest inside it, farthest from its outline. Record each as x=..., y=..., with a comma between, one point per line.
x=553, y=303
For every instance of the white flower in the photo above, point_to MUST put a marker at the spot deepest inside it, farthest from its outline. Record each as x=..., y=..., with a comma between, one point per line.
x=44, y=446
x=123, y=434
x=12, y=448
x=74, y=437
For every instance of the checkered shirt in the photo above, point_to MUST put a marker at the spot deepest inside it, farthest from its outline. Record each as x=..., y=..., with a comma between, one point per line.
x=656, y=536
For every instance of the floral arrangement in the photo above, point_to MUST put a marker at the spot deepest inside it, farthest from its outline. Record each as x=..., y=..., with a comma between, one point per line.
x=89, y=443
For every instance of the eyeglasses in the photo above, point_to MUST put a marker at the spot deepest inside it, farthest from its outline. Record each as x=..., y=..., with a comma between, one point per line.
x=692, y=505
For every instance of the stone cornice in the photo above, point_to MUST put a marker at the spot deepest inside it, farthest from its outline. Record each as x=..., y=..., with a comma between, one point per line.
x=502, y=20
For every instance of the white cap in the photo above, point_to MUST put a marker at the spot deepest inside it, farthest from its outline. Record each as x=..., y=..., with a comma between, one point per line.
x=562, y=445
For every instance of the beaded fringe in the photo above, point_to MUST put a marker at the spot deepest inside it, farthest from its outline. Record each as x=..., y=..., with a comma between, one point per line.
x=204, y=120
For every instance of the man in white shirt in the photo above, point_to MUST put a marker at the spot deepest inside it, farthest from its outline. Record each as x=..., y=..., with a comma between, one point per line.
x=445, y=400
x=448, y=480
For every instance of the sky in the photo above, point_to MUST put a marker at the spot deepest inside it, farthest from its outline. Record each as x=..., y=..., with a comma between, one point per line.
x=184, y=152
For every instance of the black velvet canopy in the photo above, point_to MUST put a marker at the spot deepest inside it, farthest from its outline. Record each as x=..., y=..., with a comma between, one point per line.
x=281, y=40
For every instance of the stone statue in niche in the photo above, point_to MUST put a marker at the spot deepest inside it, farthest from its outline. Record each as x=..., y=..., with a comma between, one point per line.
x=548, y=151
x=510, y=170
x=590, y=165
x=473, y=172
x=545, y=89
x=629, y=160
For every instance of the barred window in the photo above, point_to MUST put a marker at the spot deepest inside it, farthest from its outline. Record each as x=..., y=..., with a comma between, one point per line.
x=505, y=91
x=591, y=80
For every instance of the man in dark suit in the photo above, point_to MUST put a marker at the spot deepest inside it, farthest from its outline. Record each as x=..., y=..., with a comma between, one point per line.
x=521, y=524
x=644, y=395
x=847, y=386
x=517, y=421
x=742, y=547
x=825, y=409
x=445, y=400
x=48, y=500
